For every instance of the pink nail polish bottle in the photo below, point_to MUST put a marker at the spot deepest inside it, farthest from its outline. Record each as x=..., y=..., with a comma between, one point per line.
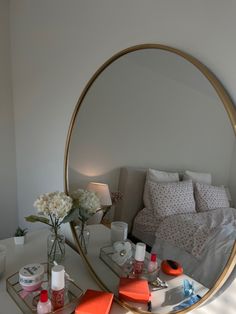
x=44, y=305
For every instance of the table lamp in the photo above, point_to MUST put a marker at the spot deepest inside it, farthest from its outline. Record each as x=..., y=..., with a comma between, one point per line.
x=102, y=191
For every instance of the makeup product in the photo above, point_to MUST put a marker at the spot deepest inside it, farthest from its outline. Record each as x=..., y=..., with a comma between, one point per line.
x=152, y=267
x=188, y=288
x=190, y=301
x=58, y=286
x=171, y=268
x=31, y=276
x=134, y=290
x=67, y=276
x=44, y=305
x=139, y=257
x=93, y=301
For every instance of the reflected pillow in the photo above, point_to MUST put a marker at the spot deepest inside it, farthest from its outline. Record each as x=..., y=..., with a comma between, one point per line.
x=210, y=197
x=157, y=176
x=172, y=198
x=197, y=177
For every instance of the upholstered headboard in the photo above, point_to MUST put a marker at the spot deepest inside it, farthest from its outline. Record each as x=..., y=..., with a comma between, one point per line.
x=131, y=185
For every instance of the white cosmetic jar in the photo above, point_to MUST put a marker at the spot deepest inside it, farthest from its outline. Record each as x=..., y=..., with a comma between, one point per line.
x=31, y=276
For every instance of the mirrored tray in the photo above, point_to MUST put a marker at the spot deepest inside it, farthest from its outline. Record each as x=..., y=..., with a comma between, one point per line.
x=126, y=269
x=27, y=302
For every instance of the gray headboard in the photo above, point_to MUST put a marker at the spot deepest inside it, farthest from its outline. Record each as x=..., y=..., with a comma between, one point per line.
x=131, y=185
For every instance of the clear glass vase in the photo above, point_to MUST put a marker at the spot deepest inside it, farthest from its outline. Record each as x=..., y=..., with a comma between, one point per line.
x=56, y=247
x=83, y=236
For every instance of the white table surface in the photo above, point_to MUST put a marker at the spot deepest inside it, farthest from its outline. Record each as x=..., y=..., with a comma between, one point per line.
x=34, y=250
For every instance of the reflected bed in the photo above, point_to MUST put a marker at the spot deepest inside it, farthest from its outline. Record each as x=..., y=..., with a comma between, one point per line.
x=202, y=242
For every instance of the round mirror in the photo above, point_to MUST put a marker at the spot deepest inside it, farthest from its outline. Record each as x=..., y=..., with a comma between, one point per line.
x=152, y=135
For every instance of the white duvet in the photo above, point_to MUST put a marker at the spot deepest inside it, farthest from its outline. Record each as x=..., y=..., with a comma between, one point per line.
x=202, y=242
x=193, y=231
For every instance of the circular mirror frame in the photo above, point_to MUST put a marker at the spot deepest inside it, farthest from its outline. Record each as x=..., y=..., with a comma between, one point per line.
x=230, y=109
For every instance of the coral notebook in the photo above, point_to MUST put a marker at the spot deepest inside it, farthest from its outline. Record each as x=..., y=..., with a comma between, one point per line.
x=95, y=302
x=134, y=289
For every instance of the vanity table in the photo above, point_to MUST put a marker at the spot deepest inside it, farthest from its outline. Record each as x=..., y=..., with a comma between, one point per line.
x=34, y=250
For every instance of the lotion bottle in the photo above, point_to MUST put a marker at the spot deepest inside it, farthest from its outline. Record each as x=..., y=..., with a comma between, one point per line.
x=58, y=287
x=44, y=305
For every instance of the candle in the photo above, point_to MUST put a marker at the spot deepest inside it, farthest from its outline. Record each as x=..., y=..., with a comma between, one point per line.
x=119, y=230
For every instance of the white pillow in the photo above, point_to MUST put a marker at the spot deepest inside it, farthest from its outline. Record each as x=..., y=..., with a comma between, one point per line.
x=210, y=197
x=172, y=198
x=197, y=177
x=157, y=176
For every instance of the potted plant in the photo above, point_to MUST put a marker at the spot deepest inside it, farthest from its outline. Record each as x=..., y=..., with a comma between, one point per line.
x=19, y=237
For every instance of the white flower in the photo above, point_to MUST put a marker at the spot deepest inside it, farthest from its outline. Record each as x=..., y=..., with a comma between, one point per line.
x=57, y=204
x=88, y=202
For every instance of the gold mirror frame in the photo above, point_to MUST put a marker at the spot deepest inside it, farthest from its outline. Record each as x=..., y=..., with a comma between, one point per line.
x=230, y=109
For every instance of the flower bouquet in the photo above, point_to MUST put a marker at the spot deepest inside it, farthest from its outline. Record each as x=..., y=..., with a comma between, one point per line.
x=85, y=205
x=53, y=208
x=56, y=208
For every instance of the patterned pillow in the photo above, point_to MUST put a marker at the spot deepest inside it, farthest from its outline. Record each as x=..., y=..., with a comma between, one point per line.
x=172, y=198
x=157, y=176
x=210, y=197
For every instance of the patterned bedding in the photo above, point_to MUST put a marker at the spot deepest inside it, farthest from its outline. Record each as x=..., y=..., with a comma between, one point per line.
x=192, y=231
x=146, y=221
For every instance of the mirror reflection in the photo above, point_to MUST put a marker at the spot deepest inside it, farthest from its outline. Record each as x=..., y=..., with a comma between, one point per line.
x=154, y=141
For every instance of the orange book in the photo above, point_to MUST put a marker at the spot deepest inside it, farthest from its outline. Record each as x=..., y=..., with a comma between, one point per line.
x=134, y=289
x=95, y=302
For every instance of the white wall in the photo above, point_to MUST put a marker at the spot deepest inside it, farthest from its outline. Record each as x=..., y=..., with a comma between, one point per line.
x=57, y=45
x=8, y=210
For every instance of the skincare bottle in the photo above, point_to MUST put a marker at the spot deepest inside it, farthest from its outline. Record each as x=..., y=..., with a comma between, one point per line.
x=139, y=258
x=58, y=286
x=152, y=267
x=44, y=305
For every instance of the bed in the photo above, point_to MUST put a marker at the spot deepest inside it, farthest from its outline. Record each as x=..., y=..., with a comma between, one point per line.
x=201, y=241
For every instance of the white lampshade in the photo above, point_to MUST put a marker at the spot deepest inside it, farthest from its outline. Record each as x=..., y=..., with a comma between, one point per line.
x=102, y=191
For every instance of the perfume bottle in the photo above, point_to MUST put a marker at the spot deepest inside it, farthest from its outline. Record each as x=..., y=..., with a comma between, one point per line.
x=139, y=258
x=44, y=305
x=58, y=286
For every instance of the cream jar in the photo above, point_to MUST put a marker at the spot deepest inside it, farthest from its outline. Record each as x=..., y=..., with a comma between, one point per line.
x=31, y=276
